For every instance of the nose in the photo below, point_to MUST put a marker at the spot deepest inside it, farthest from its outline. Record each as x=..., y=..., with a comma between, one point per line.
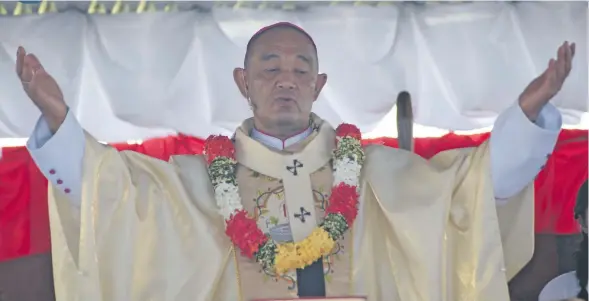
x=286, y=81
x=286, y=85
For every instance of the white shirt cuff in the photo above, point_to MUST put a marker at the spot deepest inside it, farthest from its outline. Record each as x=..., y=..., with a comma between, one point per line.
x=520, y=148
x=60, y=156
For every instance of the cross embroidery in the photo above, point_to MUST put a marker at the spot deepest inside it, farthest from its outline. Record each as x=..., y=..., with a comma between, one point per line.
x=296, y=164
x=302, y=215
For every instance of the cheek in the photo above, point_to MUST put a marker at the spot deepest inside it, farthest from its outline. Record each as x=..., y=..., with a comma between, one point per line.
x=307, y=86
x=260, y=88
x=309, y=81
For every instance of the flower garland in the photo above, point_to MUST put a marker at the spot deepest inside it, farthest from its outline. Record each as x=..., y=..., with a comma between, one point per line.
x=243, y=230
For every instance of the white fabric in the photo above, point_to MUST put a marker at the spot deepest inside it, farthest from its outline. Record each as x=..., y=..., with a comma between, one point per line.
x=519, y=149
x=60, y=156
x=278, y=143
x=563, y=287
x=133, y=76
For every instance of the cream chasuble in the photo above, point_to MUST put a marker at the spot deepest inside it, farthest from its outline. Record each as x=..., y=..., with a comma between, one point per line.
x=150, y=230
x=287, y=192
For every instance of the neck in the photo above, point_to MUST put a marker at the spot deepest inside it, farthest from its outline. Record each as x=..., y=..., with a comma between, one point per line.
x=281, y=131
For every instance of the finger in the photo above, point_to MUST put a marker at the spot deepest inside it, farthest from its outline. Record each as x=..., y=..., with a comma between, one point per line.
x=20, y=57
x=551, y=66
x=568, y=56
x=561, y=51
x=38, y=74
x=27, y=70
x=561, y=61
x=31, y=66
x=551, y=71
x=573, y=49
x=35, y=63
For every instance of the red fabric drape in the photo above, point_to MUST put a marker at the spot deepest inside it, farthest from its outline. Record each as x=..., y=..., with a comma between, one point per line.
x=24, y=223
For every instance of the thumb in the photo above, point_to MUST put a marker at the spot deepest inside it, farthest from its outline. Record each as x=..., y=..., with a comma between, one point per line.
x=34, y=61
x=550, y=68
x=38, y=74
x=550, y=72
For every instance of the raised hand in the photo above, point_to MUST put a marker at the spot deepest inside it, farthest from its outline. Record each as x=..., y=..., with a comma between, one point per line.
x=541, y=90
x=41, y=88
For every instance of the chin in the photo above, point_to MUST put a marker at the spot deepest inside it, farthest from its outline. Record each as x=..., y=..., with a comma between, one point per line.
x=286, y=119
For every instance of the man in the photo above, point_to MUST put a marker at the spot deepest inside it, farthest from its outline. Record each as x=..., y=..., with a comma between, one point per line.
x=573, y=284
x=128, y=227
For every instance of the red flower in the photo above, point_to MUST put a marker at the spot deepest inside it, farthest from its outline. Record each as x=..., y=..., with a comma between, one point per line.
x=344, y=200
x=218, y=146
x=244, y=233
x=348, y=130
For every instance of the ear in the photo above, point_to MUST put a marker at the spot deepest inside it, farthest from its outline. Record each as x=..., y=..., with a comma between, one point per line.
x=239, y=78
x=319, y=84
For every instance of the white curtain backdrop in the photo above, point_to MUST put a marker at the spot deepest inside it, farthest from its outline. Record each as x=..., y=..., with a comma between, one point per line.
x=133, y=76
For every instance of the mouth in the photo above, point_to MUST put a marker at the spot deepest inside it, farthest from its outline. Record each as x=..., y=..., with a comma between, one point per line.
x=285, y=103
x=284, y=99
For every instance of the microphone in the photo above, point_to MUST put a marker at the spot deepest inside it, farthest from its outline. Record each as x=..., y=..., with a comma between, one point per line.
x=405, y=121
x=311, y=280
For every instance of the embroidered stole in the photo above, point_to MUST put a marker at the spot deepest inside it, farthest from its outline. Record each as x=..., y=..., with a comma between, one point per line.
x=287, y=192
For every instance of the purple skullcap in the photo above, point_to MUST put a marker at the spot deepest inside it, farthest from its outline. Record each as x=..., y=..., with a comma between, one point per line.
x=269, y=27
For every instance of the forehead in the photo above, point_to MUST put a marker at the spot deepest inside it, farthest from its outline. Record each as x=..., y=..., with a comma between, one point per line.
x=283, y=40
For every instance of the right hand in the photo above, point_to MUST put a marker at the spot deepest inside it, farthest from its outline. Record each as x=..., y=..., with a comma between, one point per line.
x=41, y=88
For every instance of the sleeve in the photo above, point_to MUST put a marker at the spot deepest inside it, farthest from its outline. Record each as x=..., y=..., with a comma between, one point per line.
x=471, y=243
x=136, y=218
x=60, y=156
x=519, y=148
x=477, y=246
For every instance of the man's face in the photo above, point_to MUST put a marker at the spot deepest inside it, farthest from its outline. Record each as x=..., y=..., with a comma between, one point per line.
x=281, y=78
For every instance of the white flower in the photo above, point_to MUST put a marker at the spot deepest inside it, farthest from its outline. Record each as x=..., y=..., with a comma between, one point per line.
x=228, y=199
x=346, y=171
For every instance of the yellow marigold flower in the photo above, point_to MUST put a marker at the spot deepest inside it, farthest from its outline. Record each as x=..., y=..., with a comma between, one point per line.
x=285, y=258
x=291, y=256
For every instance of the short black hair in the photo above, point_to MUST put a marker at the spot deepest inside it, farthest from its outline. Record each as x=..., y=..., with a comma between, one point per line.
x=280, y=25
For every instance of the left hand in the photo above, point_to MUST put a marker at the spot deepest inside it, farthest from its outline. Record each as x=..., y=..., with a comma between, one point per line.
x=539, y=92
